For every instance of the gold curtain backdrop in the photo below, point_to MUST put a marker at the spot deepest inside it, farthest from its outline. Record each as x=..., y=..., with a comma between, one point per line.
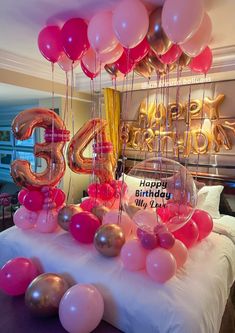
x=112, y=102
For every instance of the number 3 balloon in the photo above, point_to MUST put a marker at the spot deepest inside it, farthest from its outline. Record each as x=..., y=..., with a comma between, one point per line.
x=51, y=150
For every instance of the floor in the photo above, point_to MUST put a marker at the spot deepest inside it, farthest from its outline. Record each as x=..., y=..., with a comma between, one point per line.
x=15, y=318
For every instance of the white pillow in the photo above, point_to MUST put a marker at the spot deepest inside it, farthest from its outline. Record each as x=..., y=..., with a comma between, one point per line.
x=209, y=200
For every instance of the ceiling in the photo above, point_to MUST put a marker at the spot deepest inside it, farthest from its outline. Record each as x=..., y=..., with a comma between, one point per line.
x=21, y=20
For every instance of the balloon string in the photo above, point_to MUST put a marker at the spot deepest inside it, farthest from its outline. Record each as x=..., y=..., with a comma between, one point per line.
x=179, y=72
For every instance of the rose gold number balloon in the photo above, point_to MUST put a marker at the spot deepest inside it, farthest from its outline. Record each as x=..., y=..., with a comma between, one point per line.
x=51, y=150
x=102, y=166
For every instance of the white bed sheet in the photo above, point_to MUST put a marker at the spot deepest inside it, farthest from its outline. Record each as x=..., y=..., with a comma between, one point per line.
x=191, y=302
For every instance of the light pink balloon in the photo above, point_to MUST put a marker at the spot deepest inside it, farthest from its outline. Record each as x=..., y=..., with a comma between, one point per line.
x=199, y=41
x=91, y=61
x=65, y=63
x=160, y=265
x=81, y=309
x=47, y=221
x=24, y=219
x=130, y=22
x=112, y=56
x=133, y=255
x=100, y=33
x=180, y=253
x=126, y=224
x=181, y=19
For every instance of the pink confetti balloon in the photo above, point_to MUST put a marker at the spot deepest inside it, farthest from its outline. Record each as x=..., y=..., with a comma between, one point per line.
x=124, y=221
x=160, y=265
x=133, y=255
x=81, y=309
x=180, y=253
x=83, y=227
x=24, y=219
x=16, y=275
x=47, y=221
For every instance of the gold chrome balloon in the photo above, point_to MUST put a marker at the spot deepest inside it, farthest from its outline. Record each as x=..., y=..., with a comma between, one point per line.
x=65, y=214
x=109, y=240
x=100, y=211
x=111, y=69
x=155, y=63
x=44, y=294
x=144, y=69
x=156, y=37
x=184, y=60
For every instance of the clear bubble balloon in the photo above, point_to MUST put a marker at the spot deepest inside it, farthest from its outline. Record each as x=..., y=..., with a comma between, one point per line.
x=164, y=191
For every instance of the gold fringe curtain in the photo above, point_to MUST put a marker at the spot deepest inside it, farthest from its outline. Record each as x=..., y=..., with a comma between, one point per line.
x=112, y=102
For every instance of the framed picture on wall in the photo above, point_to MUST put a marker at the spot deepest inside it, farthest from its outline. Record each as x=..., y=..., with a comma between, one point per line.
x=6, y=136
x=6, y=157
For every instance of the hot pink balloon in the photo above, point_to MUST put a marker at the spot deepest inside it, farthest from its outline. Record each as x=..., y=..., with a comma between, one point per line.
x=21, y=195
x=16, y=275
x=166, y=239
x=124, y=64
x=204, y=223
x=81, y=308
x=106, y=192
x=83, y=227
x=180, y=253
x=138, y=53
x=123, y=220
x=74, y=38
x=90, y=203
x=171, y=56
x=65, y=63
x=93, y=190
x=100, y=33
x=58, y=197
x=160, y=265
x=181, y=18
x=90, y=64
x=112, y=56
x=49, y=43
x=24, y=219
x=33, y=201
x=199, y=41
x=188, y=234
x=202, y=63
x=130, y=22
x=133, y=255
x=47, y=221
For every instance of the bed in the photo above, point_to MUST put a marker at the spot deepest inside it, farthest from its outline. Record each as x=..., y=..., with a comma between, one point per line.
x=191, y=302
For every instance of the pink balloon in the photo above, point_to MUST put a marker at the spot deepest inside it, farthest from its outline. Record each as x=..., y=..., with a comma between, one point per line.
x=74, y=38
x=180, y=253
x=202, y=63
x=16, y=275
x=49, y=43
x=58, y=197
x=93, y=190
x=130, y=22
x=199, y=41
x=160, y=265
x=90, y=203
x=138, y=53
x=181, y=18
x=100, y=33
x=90, y=64
x=166, y=239
x=204, y=223
x=133, y=255
x=81, y=309
x=112, y=56
x=21, y=195
x=33, y=201
x=65, y=63
x=106, y=192
x=24, y=219
x=125, y=223
x=124, y=64
x=47, y=221
x=171, y=56
x=83, y=227
x=188, y=234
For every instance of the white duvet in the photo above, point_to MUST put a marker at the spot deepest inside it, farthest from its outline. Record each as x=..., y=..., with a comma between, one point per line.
x=191, y=302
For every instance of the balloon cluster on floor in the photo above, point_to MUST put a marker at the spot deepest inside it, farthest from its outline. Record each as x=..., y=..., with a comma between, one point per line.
x=80, y=307
x=176, y=34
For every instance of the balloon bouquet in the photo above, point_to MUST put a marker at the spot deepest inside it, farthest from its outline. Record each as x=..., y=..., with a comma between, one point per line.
x=176, y=34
